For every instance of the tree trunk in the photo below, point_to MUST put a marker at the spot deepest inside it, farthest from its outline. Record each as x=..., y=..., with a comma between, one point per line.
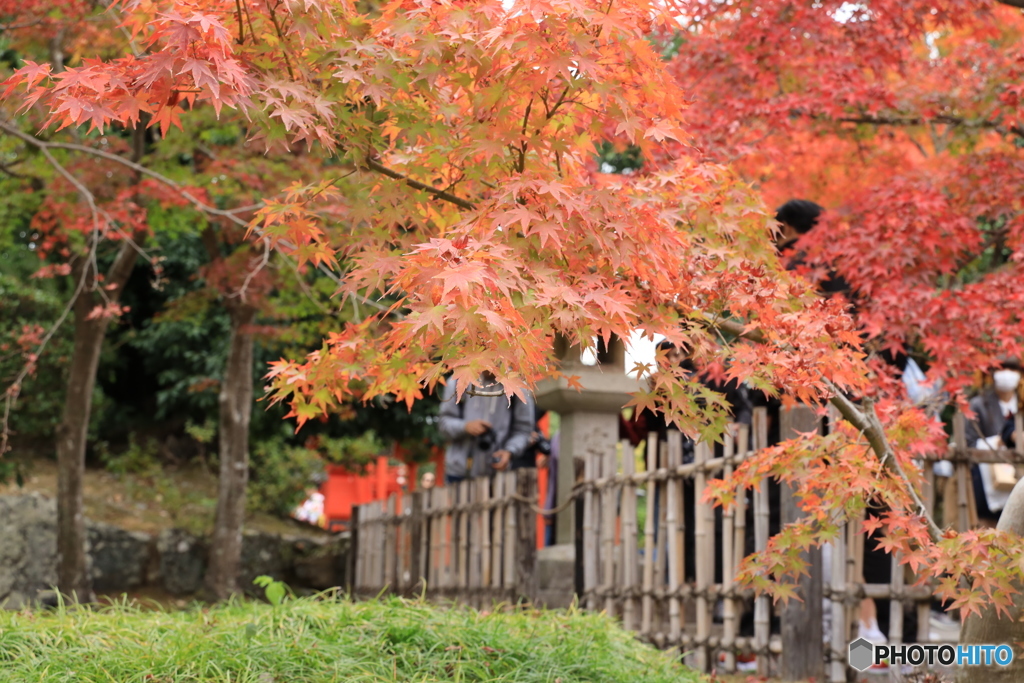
x=236, y=398
x=73, y=578
x=990, y=628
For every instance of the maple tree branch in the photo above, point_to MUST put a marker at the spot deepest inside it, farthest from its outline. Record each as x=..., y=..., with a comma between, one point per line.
x=280, y=36
x=522, y=143
x=920, y=121
x=264, y=260
x=229, y=214
x=27, y=24
x=6, y=170
x=14, y=388
x=561, y=98
x=241, y=25
x=87, y=195
x=417, y=185
x=864, y=420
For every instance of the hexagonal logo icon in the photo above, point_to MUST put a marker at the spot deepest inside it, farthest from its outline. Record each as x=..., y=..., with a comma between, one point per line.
x=862, y=654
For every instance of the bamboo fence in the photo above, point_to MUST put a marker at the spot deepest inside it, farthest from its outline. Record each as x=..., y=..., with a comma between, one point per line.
x=475, y=543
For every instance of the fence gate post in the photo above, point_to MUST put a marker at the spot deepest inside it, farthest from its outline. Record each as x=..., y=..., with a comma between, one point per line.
x=526, y=536
x=802, y=652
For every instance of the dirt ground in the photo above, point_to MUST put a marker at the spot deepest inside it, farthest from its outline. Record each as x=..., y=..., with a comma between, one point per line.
x=184, y=497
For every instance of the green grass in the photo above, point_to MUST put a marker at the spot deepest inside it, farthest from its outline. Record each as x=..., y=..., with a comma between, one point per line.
x=310, y=640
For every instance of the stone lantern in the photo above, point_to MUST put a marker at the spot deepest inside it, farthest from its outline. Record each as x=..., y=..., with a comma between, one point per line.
x=589, y=416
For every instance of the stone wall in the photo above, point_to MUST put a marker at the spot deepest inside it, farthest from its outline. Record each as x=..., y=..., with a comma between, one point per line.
x=173, y=560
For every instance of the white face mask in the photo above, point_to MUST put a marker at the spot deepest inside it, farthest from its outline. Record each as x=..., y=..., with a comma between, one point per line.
x=1006, y=380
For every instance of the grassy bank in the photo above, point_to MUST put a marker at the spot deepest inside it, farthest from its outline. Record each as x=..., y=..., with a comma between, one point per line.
x=307, y=641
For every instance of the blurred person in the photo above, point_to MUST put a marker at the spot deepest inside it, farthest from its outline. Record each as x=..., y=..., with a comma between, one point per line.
x=992, y=427
x=484, y=432
x=538, y=448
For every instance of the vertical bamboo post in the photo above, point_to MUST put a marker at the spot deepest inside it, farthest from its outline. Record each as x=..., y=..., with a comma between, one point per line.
x=856, y=541
x=924, y=606
x=511, y=531
x=417, y=538
x=609, y=503
x=591, y=471
x=402, y=543
x=742, y=448
x=434, y=558
x=675, y=540
x=661, y=543
x=729, y=552
x=484, y=496
x=701, y=536
x=366, y=515
x=526, y=540
x=896, y=602
x=382, y=543
x=446, y=524
x=762, y=615
x=648, y=585
x=837, y=667
x=372, y=581
x=475, y=540
x=629, y=540
x=391, y=544
x=463, y=527
x=367, y=518
x=498, y=528
x=963, y=473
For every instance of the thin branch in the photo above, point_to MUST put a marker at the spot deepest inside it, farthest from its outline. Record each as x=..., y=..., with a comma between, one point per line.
x=264, y=260
x=920, y=121
x=522, y=143
x=205, y=208
x=284, y=43
x=26, y=24
x=241, y=25
x=417, y=185
x=14, y=389
x=229, y=214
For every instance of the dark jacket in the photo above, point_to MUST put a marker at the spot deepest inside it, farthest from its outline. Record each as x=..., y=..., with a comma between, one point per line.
x=988, y=417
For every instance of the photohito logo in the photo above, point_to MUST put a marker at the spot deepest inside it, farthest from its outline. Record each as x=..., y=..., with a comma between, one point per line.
x=864, y=654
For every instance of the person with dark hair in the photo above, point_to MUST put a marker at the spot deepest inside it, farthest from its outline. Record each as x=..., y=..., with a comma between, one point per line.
x=797, y=217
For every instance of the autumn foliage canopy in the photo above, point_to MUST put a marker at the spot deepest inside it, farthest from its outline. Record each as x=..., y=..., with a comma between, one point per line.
x=458, y=203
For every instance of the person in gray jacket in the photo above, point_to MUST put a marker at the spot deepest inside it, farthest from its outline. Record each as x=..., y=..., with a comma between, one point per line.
x=490, y=430
x=992, y=427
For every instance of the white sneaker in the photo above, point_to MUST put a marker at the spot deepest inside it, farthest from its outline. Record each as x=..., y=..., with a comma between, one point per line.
x=871, y=633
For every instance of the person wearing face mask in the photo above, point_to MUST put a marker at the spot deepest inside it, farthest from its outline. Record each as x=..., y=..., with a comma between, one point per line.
x=992, y=427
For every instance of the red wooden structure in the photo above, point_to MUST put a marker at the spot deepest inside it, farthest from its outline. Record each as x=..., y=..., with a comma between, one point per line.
x=344, y=488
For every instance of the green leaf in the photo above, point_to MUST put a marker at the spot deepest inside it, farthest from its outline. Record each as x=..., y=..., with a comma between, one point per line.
x=274, y=590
